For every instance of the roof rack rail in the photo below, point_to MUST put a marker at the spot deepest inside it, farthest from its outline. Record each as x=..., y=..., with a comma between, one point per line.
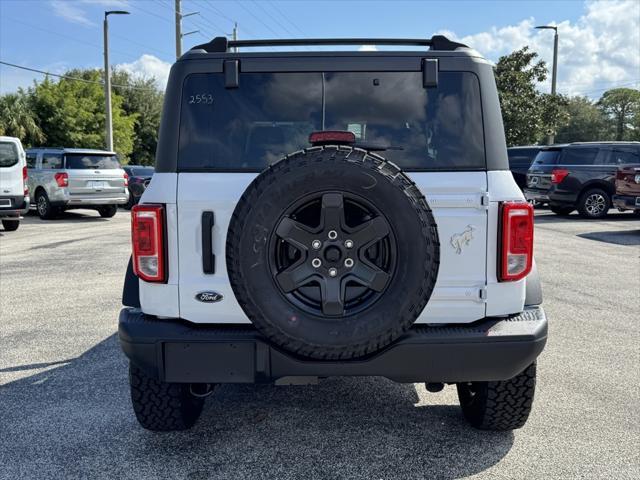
x=222, y=44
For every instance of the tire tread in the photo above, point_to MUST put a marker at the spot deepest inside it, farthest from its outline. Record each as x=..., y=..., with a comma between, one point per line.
x=161, y=406
x=336, y=155
x=502, y=405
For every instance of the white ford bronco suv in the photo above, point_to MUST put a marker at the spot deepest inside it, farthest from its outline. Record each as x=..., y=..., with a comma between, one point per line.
x=326, y=213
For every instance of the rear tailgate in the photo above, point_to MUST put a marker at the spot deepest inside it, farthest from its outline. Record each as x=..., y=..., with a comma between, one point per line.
x=101, y=182
x=94, y=173
x=459, y=202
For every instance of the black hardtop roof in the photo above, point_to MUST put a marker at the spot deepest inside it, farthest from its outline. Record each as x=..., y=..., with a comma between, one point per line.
x=223, y=45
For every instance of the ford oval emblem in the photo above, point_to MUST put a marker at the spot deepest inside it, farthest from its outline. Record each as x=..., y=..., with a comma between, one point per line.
x=209, y=297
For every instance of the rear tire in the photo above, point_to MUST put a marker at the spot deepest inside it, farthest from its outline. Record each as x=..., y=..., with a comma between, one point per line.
x=499, y=406
x=594, y=203
x=10, y=225
x=45, y=210
x=161, y=406
x=108, y=211
x=562, y=210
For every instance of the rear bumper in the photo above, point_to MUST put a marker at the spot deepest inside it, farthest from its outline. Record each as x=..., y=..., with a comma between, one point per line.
x=88, y=200
x=626, y=202
x=536, y=195
x=16, y=206
x=552, y=196
x=178, y=351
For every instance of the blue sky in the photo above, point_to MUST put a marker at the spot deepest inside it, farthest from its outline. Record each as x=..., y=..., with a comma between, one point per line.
x=599, y=40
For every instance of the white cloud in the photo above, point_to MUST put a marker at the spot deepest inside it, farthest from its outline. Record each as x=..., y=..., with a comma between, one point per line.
x=368, y=48
x=148, y=66
x=71, y=12
x=597, y=52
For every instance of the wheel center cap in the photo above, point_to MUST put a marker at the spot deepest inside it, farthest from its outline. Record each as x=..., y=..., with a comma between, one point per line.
x=332, y=254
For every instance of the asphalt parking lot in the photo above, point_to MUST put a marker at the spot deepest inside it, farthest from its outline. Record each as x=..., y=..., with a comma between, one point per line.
x=65, y=410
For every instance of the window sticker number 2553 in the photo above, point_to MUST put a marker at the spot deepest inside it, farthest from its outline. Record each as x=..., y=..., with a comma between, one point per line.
x=201, y=98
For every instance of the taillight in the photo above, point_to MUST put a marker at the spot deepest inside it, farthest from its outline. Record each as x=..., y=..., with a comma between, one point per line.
x=147, y=235
x=516, y=255
x=62, y=179
x=126, y=179
x=331, y=136
x=24, y=181
x=558, y=175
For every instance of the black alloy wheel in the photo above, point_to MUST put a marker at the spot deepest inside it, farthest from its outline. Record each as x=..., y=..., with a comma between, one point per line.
x=333, y=253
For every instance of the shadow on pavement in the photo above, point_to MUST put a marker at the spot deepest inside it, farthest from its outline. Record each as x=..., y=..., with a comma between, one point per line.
x=76, y=421
x=626, y=237
x=69, y=216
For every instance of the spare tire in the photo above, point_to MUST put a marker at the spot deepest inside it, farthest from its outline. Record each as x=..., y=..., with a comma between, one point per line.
x=332, y=252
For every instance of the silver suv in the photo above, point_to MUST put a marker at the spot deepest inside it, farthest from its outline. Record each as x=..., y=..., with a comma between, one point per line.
x=66, y=178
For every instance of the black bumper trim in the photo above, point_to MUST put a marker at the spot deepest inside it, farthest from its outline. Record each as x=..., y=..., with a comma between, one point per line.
x=179, y=351
x=626, y=202
x=19, y=206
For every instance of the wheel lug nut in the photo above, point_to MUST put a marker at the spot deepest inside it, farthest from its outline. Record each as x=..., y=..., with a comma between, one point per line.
x=348, y=243
x=333, y=235
x=348, y=262
x=333, y=272
x=316, y=244
x=316, y=262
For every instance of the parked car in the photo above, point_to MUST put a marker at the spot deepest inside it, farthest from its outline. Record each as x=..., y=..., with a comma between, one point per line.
x=627, y=195
x=139, y=178
x=66, y=178
x=370, y=228
x=14, y=193
x=579, y=176
x=520, y=159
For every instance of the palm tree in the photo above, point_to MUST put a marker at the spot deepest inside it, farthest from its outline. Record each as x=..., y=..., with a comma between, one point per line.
x=18, y=120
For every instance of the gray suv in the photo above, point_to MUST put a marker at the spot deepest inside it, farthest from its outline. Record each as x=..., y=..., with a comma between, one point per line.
x=66, y=178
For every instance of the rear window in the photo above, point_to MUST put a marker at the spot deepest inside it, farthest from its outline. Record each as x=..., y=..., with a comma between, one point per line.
x=547, y=157
x=8, y=154
x=142, y=172
x=272, y=114
x=80, y=161
x=521, y=157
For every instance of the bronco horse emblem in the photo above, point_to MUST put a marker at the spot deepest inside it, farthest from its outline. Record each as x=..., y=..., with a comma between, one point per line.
x=463, y=239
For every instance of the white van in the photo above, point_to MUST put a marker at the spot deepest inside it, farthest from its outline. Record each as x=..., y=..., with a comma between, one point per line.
x=14, y=193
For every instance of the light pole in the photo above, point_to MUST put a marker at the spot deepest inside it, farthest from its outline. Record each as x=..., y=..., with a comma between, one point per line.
x=107, y=79
x=554, y=72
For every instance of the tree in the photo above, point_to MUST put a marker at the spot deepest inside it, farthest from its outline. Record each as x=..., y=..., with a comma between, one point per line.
x=18, y=120
x=527, y=113
x=586, y=122
x=621, y=105
x=71, y=113
x=144, y=100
